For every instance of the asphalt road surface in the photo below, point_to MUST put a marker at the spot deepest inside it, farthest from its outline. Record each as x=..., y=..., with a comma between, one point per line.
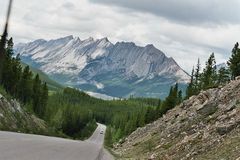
x=17, y=146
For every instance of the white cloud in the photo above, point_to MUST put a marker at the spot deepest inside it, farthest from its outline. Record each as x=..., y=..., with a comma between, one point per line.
x=34, y=19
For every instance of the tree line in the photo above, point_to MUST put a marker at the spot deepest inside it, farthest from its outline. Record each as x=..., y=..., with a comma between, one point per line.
x=74, y=113
x=211, y=76
x=21, y=83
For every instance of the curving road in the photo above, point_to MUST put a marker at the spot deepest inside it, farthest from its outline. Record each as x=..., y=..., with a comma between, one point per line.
x=17, y=146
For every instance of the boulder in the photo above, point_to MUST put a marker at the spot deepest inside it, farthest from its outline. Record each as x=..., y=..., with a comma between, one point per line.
x=225, y=128
x=207, y=109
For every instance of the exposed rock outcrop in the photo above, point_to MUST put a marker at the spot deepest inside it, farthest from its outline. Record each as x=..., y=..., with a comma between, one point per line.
x=117, y=70
x=14, y=118
x=206, y=126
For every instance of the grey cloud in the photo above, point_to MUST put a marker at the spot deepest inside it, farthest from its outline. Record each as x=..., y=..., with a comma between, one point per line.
x=68, y=5
x=58, y=18
x=185, y=11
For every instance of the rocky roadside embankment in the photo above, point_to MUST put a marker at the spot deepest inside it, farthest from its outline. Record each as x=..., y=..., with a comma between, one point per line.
x=206, y=126
x=14, y=118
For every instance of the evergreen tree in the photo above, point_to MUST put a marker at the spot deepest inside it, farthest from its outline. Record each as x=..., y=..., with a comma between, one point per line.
x=44, y=99
x=7, y=65
x=169, y=101
x=172, y=99
x=223, y=76
x=190, y=88
x=25, y=86
x=150, y=115
x=180, y=97
x=36, y=96
x=209, y=74
x=234, y=61
x=9, y=49
x=11, y=70
x=197, y=82
x=15, y=76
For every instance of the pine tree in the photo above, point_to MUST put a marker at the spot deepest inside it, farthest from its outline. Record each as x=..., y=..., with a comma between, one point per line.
x=223, y=76
x=44, y=99
x=180, y=97
x=25, y=86
x=171, y=100
x=234, y=61
x=14, y=76
x=9, y=49
x=6, y=73
x=36, y=96
x=11, y=70
x=197, y=82
x=189, y=90
x=209, y=74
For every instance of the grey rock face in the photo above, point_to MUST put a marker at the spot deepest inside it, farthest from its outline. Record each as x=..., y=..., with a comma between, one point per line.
x=98, y=65
x=208, y=109
x=14, y=118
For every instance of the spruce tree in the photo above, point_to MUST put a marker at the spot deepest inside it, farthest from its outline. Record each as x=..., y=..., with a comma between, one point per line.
x=11, y=70
x=44, y=99
x=25, y=86
x=223, y=76
x=9, y=49
x=197, y=83
x=234, y=62
x=179, y=97
x=36, y=96
x=189, y=90
x=17, y=70
x=209, y=74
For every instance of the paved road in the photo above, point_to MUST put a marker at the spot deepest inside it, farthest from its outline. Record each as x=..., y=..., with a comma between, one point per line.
x=16, y=146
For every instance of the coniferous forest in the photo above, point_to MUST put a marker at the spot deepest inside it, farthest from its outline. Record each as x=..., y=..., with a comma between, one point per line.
x=211, y=76
x=21, y=83
x=73, y=113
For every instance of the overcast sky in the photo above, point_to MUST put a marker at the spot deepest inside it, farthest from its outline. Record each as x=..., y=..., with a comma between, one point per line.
x=182, y=29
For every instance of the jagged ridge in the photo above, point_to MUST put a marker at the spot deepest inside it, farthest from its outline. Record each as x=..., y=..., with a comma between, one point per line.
x=89, y=63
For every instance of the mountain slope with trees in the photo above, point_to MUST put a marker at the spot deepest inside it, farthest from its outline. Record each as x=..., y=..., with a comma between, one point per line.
x=70, y=111
x=97, y=65
x=14, y=117
x=204, y=126
x=21, y=83
x=73, y=113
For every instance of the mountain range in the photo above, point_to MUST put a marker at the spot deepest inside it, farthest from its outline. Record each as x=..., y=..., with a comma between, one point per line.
x=99, y=66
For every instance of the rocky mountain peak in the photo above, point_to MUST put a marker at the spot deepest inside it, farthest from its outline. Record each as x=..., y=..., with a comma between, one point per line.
x=90, y=39
x=150, y=46
x=64, y=39
x=88, y=62
x=105, y=39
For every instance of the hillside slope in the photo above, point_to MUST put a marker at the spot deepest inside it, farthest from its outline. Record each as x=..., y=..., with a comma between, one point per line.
x=14, y=118
x=206, y=126
x=52, y=85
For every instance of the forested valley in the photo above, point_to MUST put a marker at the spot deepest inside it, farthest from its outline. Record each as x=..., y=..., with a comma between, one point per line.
x=74, y=114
